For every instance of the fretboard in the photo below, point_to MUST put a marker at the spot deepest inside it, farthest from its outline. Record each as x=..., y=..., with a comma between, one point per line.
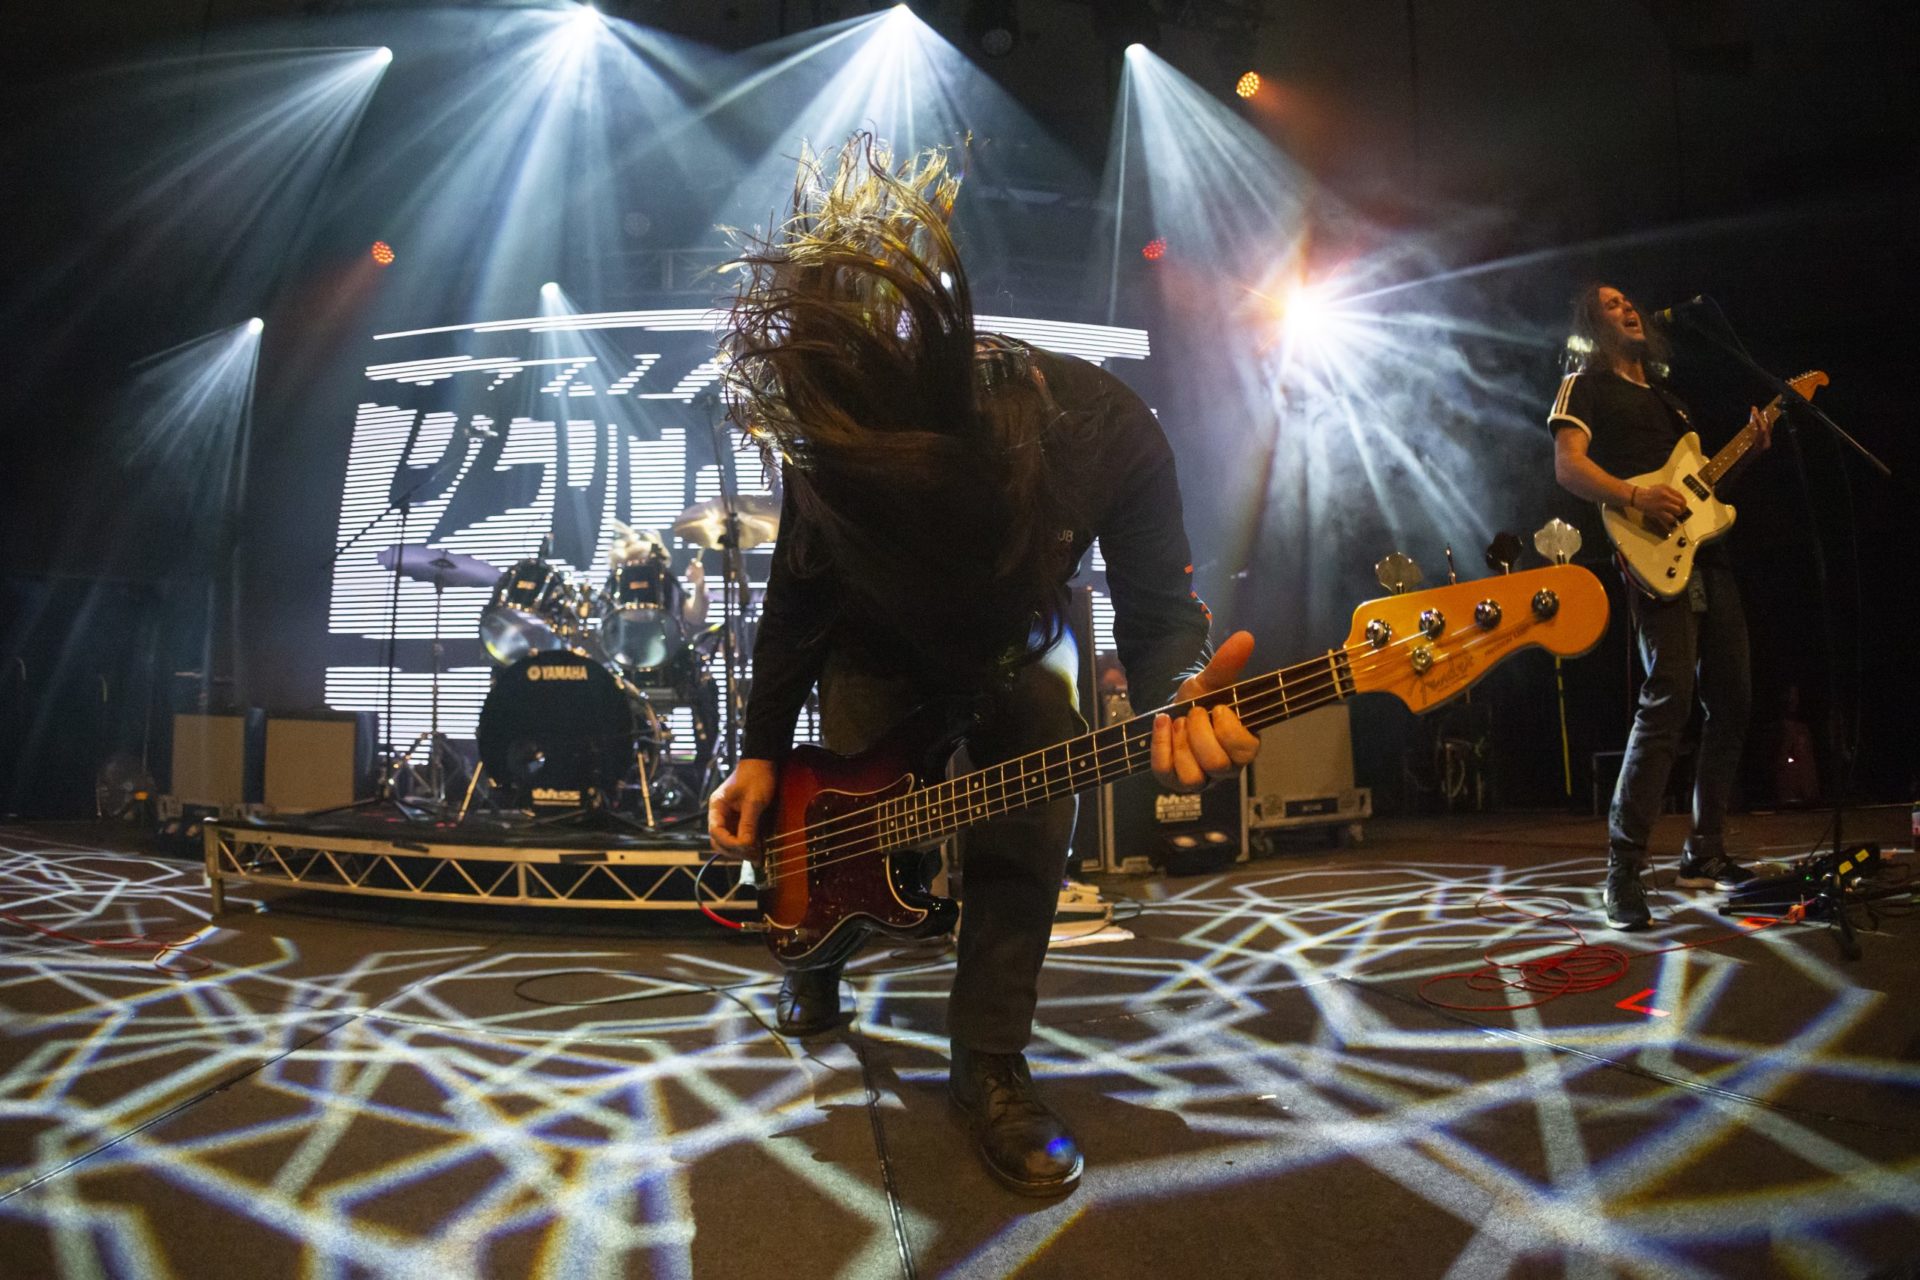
x=1737, y=448
x=1105, y=755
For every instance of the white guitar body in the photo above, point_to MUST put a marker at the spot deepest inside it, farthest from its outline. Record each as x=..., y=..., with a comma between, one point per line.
x=1663, y=562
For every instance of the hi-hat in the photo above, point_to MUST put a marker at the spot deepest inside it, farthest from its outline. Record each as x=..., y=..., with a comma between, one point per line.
x=704, y=524
x=448, y=568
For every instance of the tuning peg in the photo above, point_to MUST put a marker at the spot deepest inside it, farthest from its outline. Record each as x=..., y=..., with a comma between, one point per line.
x=1397, y=572
x=1504, y=552
x=1557, y=540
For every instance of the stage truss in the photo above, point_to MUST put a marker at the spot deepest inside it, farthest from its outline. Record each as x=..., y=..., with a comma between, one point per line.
x=619, y=876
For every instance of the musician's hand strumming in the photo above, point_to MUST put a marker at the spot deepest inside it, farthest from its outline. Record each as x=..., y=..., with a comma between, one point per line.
x=737, y=806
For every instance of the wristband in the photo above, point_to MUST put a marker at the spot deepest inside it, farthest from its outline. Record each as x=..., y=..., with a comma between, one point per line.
x=1633, y=496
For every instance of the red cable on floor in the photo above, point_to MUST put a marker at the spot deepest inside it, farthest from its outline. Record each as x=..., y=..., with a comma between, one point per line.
x=1577, y=970
x=159, y=946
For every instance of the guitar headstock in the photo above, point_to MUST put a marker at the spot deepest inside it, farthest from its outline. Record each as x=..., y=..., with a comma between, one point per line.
x=1424, y=647
x=1806, y=384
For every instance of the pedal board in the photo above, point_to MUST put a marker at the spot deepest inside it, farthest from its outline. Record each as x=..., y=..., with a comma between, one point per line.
x=1804, y=881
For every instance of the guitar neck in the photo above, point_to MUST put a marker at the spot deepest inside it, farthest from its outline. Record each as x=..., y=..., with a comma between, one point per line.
x=1105, y=755
x=1737, y=448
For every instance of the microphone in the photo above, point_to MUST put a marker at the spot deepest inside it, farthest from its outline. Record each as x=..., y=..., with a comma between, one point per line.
x=1666, y=315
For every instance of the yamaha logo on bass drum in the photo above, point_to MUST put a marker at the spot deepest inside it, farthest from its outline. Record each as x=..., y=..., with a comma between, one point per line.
x=555, y=671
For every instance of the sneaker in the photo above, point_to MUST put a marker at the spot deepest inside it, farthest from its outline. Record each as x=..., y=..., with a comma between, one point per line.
x=1715, y=872
x=1625, y=898
x=1022, y=1142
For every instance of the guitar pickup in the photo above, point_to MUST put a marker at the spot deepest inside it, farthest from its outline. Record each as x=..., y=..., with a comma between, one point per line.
x=1700, y=491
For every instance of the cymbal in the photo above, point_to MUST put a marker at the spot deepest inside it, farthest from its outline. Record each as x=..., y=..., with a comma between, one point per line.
x=705, y=523
x=448, y=568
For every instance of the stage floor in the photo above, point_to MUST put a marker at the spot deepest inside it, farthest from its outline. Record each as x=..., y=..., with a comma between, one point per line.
x=1253, y=1062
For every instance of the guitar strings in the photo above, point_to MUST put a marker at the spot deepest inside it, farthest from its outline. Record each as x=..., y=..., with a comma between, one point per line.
x=828, y=836
x=864, y=822
x=937, y=793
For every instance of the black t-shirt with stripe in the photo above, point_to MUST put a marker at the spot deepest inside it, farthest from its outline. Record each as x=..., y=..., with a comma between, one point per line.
x=1631, y=428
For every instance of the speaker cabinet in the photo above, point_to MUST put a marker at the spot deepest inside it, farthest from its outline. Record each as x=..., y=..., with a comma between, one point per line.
x=1303, y=775
x=319, y=760
x=1148, y=826
x=218, y=758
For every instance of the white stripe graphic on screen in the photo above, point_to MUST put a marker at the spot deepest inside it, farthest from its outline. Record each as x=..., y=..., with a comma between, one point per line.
x=697, y=378
x=642, y=363
x=1102, y=623
x=1097, y=557
x=582, y=437
x=563, y=378
x=669, y=320
x=362, y=593
x=1096, y=342
x=424, y=373
x=657, y=476
x=463, y=690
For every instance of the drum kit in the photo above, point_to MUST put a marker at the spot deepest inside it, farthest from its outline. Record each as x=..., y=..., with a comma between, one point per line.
x=577, y=720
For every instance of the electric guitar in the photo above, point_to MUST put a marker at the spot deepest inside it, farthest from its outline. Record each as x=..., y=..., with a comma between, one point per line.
x=828, y=874
x=1662, y=563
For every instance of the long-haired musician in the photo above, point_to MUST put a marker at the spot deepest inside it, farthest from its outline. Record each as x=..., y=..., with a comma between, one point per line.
x=940, y=487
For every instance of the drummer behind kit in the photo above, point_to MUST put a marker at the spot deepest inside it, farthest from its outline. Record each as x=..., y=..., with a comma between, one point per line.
x=575, y=718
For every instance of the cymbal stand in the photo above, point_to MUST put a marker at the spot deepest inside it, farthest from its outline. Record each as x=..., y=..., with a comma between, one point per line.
x=733, y=597
x=434, y=784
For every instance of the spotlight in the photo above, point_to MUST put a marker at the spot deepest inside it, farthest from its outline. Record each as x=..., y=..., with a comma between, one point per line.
x=551, y=289
x=1305, y=313
x=383, y=253
x=256, y=324
x=1154, y=249
x=1249, y=84
x=383, y=55
x=993, y=26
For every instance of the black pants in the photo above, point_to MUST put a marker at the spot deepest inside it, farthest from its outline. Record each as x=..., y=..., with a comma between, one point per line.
x=1011, y=868
x=1695, y=644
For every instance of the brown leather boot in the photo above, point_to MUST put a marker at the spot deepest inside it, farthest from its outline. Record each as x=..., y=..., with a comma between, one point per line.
x=1024, y=1144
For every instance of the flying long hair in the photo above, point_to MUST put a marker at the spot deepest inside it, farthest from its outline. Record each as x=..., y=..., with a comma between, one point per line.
x=921, y=486
x=1592, y=342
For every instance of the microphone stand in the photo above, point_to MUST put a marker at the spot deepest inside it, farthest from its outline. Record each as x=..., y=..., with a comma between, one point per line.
x=1832, y=894
x=404, y=505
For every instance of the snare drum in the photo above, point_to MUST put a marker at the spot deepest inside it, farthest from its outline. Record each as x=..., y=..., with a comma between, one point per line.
x=640, y=627
x=533, y=610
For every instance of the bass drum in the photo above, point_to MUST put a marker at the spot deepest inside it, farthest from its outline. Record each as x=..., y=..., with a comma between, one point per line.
x=558, y=732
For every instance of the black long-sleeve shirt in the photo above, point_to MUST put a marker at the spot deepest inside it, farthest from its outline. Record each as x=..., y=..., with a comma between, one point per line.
x=1121, y=482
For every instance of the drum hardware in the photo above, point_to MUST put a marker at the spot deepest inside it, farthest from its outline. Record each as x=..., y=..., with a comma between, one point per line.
x=731, y=523
x=443, y=569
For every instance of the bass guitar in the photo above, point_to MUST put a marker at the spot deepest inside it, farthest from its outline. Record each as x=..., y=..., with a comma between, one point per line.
x=1662, y=563
x=831, y=869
